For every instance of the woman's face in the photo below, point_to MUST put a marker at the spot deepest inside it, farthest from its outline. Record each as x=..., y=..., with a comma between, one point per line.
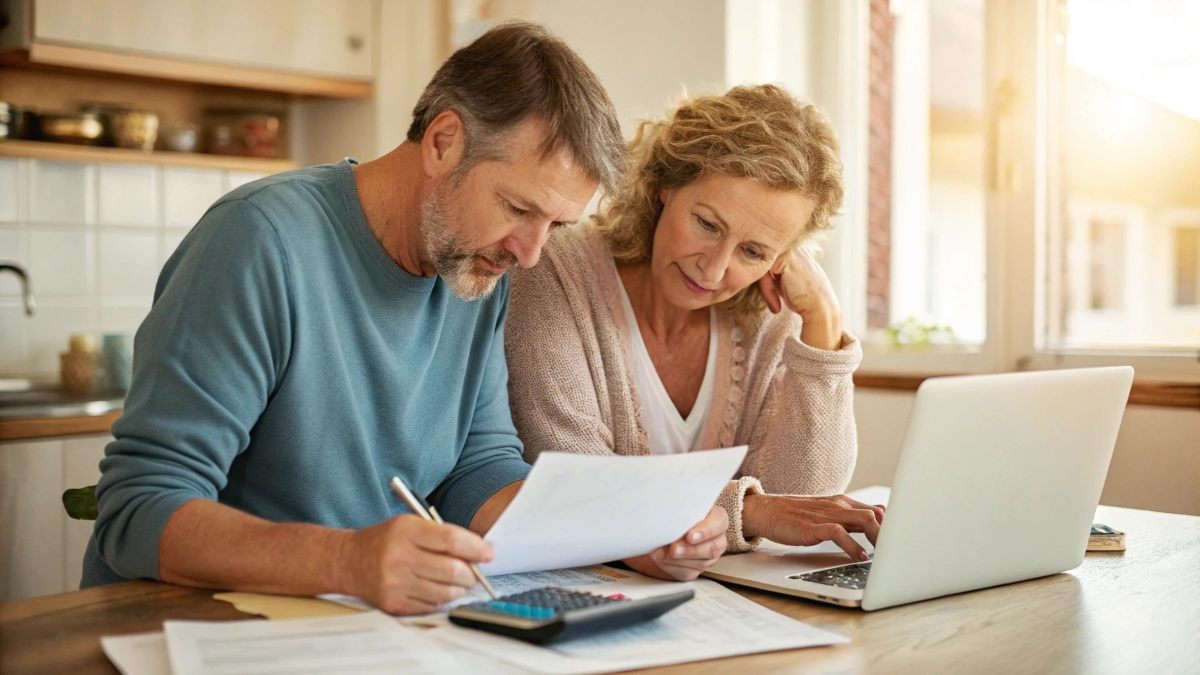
x=719, y=234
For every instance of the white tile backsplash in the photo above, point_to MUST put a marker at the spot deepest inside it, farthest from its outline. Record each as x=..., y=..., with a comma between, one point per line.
x=187, y=194
x=168, y=243
x=127, y=195
x=60, y=192
x=14, y=248
x=60, y=262
x=122, y=318
x=49, y=331
x=93, y=238
x=128, y=264
x=10, y=191
x=14, y=339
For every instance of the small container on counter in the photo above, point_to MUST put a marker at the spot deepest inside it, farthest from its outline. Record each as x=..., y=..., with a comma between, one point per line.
x=118, y=361
x=80, y=364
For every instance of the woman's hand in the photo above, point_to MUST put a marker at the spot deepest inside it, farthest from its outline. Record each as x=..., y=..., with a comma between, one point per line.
x=694, y=552
x=807, y=521
x=797, y=281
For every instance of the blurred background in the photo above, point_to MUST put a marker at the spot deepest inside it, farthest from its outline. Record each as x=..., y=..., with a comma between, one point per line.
x=1023, y=188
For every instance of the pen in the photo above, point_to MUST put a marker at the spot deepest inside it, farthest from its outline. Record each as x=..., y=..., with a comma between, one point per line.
x=418, y=507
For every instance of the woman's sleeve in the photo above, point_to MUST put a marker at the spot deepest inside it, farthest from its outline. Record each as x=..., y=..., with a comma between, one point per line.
x=803, y=440
x=551, y=388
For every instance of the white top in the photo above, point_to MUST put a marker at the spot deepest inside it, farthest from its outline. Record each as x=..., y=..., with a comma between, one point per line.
x=666, y=430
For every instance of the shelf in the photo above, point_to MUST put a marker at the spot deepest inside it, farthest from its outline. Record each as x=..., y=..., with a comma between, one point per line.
x=179, y=70
x=65, y=152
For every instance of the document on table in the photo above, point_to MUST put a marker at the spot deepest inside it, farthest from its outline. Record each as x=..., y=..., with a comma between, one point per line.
x=140, y=654
x=715, y=624
x=578, y=510
x=371, y=642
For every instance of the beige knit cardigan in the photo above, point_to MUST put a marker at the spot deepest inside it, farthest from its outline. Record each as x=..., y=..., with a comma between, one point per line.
x=571, y=389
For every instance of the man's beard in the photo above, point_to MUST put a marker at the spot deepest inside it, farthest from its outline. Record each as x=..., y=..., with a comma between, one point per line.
x=453, y=260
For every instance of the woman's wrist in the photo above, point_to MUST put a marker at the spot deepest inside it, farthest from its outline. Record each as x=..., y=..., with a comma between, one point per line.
x=755, y=508
x=822, y=329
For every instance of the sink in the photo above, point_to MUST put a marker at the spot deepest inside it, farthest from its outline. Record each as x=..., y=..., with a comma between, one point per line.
x=30, y=398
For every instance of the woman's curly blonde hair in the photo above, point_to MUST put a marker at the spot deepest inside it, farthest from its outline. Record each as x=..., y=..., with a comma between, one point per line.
x=758, y=132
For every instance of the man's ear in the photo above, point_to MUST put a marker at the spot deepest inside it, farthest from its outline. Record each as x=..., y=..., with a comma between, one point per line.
x=443, y=144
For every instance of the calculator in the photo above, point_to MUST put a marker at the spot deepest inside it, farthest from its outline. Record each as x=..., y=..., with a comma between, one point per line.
x=551, y=614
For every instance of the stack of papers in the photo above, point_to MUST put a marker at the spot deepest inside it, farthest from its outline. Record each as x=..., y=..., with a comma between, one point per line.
x=572, y=510
x=717, y=623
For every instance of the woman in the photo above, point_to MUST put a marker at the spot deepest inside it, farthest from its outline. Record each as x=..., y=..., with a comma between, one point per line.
x=685, y=316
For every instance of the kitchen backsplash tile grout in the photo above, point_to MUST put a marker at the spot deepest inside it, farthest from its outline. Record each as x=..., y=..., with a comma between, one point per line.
x=100, y=298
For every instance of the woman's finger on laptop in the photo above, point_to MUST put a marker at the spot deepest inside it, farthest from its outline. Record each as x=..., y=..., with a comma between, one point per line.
x=838, y=535
x=879, y=509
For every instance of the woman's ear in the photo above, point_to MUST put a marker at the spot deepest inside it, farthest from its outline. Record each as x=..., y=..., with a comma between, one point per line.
x=780, y=263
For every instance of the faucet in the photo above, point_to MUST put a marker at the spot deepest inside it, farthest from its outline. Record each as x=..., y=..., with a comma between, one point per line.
x=16, y=269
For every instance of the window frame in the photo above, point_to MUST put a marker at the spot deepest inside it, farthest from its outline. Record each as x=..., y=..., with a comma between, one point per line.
x=1020, y=108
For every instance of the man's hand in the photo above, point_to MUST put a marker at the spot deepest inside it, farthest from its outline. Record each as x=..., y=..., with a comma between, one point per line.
x=807, y=521
x=407, y=565
x=691, y=554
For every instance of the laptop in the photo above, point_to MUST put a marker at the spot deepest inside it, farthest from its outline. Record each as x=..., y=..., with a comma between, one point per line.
x=998, y=481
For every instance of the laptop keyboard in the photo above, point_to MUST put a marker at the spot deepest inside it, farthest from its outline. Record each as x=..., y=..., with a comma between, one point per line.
x=846, y=576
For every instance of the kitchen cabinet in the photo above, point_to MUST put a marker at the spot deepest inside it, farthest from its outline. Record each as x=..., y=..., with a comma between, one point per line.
x=315, y=47
x=41, y=549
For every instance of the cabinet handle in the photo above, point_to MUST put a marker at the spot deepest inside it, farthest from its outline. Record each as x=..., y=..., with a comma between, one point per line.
x=355, y=42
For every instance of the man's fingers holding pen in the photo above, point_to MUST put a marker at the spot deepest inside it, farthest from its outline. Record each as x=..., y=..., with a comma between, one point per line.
x=408, y=565
x=454, y=541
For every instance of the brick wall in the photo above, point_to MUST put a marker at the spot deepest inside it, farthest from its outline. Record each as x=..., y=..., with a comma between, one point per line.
x=879, y=165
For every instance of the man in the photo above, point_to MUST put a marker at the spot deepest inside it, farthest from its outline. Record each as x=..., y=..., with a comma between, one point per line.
x=322, y=330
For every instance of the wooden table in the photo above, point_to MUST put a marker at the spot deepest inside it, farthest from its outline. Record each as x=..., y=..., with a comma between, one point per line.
x=1132, y=612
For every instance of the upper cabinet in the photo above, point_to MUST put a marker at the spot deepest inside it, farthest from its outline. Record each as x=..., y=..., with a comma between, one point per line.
x=311, y=47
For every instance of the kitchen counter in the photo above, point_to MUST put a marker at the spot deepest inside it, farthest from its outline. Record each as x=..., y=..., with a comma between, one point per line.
x=39, y=410
x=23, y=428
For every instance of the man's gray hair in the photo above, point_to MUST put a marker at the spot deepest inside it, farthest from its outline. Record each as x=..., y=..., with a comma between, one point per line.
x=518, y=71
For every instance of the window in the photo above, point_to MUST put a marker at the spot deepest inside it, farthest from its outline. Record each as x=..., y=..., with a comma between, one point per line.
x=1187, y=267
x=926, y=181
x=1125, y=78
x=1032, y=185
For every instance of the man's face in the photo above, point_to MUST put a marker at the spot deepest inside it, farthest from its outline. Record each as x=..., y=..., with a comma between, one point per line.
x=476, y=225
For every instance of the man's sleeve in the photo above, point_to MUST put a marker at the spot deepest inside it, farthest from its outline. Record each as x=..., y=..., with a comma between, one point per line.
x=206, y=360
x=491, y=458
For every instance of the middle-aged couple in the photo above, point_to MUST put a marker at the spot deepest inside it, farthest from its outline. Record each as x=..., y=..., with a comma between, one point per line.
x=324, y=329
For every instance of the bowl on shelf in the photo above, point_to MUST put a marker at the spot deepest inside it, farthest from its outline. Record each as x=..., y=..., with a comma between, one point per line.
x=81, y=128
x=137, y=129
x=181, y=138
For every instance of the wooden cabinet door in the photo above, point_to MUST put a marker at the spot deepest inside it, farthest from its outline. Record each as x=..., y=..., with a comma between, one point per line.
x=319, y=37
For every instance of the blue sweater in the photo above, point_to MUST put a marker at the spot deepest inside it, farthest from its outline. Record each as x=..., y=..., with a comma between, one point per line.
x=289, y=368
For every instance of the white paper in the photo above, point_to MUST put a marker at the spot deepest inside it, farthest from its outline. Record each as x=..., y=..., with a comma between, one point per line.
x=715, y=624
x=371, y=642
x=576, y=510
x=140, y=654
x=508, y=584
